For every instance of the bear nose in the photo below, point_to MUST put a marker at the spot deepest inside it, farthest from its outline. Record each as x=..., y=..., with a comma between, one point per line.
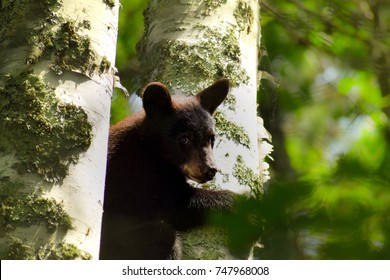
x=211, y=173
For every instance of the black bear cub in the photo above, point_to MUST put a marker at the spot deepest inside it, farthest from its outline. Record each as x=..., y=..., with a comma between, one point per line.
x=150, y=156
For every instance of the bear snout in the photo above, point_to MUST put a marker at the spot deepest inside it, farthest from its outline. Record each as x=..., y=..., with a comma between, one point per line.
x=210, y=173
x=200, y=173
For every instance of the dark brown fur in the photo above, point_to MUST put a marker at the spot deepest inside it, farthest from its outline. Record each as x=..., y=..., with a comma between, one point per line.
x=150, y=156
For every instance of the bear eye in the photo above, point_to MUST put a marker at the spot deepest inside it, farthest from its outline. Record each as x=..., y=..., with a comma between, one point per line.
x=184, y=140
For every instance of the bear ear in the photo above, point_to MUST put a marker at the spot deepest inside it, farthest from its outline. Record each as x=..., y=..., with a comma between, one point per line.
x=211, y=97
x=156, y=99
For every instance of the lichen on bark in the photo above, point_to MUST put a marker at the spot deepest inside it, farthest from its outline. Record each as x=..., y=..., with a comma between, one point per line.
x=205, y=243
x=43, y=133
x=40, y=134
x=231, y=130
x=21, y=208
x=70, y=50
x=14, y=10
x=193, y=66
x=19, y=250
x=244, y=16
x=246, y=176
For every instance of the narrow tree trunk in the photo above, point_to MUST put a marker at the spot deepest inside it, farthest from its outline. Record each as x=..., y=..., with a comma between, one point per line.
x=187, y=45
x=56, y=79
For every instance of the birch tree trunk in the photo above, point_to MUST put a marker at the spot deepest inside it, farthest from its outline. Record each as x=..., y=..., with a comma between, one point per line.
x=188, y=44
x=56, y=80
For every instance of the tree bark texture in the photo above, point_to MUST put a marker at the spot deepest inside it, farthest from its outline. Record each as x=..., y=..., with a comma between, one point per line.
x=187, y=45
x=56, y=80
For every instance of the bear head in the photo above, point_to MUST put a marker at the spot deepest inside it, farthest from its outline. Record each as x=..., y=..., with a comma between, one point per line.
x=183, y=127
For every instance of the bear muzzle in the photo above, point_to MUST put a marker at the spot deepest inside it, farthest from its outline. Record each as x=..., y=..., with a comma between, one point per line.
x=202, y=177
x=200, y=173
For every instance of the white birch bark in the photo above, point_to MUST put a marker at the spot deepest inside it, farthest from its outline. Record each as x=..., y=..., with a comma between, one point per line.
x=88, y=87
x=187, y=45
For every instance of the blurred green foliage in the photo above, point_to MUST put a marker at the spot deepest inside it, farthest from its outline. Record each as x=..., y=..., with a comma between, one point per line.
x=328, y=108
x=330, y=129
x=131, y=27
